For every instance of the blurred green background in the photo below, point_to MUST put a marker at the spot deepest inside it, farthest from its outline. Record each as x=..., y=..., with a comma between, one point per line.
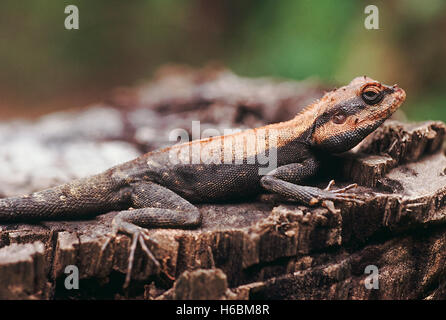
x=120, y=43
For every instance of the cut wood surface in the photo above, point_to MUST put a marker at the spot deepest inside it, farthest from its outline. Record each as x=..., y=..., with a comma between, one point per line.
x=268, y=248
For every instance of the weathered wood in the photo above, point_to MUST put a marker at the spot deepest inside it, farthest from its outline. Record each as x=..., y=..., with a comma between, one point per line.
x=267, y=248
x=23, y=271
x=285, y=250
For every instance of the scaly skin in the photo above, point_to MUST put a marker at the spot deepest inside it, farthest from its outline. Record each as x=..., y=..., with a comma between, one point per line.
x=160, y=187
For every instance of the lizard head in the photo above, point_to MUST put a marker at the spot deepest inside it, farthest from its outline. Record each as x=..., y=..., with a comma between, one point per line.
x=347, y=115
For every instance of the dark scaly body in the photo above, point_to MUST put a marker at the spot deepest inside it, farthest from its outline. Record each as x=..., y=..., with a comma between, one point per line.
x=219, y=182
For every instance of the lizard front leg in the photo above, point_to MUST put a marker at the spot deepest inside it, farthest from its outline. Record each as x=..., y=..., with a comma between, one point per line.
x=284, y=181
x=155, y=206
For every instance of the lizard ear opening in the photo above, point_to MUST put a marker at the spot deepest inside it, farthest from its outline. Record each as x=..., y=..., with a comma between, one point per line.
x=339, y=118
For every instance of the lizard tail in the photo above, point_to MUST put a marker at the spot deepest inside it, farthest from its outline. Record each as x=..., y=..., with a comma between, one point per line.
x=93, y=195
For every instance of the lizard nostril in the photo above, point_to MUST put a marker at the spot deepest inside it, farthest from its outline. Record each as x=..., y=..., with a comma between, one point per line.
x=391, y=89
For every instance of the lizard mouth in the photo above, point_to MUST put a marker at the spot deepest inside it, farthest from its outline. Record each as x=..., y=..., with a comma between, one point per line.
x=400, y=94
x=395, y=97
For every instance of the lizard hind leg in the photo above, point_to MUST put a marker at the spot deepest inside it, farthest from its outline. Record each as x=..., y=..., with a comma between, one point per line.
x=155, y=206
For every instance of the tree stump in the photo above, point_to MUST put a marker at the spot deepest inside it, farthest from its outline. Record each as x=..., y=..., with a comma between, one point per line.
x=267, y=248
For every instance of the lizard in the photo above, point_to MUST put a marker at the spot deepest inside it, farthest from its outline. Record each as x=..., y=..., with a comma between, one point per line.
x=161, y=188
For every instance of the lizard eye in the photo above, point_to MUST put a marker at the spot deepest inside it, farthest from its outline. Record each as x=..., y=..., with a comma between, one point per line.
x=372, y=95
x=339, y=118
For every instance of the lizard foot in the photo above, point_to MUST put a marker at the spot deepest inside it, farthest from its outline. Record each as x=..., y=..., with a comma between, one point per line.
x=319, y=195
x=139, y=235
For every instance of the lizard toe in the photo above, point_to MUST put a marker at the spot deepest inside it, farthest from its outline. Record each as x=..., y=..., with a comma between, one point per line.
x=342, y=190
x=139, y=236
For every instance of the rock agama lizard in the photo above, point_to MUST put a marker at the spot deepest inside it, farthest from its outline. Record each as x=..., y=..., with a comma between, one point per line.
x=160, y=188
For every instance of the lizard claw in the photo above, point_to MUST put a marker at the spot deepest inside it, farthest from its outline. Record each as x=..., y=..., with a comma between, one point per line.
x=330, y=184
x=139, y=235
x=342, y=190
